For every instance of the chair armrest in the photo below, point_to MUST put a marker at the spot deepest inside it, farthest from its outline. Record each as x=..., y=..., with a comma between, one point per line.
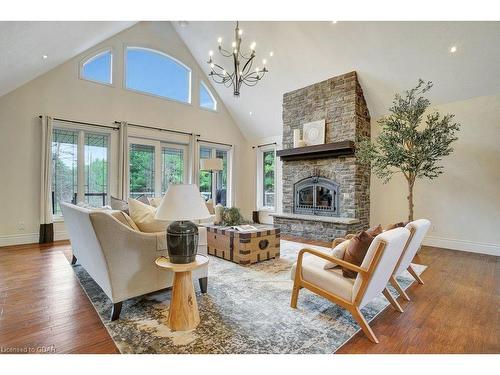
x=330, y=258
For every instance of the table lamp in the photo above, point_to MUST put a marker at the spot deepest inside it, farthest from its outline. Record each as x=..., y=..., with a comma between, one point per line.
x=181, y=204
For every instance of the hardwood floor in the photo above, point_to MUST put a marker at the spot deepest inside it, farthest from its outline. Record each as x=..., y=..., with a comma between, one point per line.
x=44, y=309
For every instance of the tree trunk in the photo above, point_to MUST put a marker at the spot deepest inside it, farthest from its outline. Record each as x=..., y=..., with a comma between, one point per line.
x=410, y=199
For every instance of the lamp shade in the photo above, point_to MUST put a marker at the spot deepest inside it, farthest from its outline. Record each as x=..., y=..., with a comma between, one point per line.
x=182, y=202
x=213, y=164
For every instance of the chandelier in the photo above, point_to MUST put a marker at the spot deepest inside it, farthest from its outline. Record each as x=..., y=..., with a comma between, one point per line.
x=243, y=72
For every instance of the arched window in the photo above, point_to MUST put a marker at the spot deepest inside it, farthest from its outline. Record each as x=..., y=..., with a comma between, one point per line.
x=154, y=72
x=207, y=100
x=98, y=68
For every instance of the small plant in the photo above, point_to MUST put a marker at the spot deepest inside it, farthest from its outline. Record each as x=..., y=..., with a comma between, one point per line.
x=232, y=216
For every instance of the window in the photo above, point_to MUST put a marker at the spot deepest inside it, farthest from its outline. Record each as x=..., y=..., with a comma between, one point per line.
x=216, y=185
x=268, y=168
x=64, y=168
x=172, y=167
x=79, y=167
x=98, y=68
x=156, y=73
x=142, y=170
x=207, y=100
x=154, y=165
x=266, y=178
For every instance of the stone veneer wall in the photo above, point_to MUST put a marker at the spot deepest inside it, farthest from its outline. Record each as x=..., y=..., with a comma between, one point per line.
x=341, y=103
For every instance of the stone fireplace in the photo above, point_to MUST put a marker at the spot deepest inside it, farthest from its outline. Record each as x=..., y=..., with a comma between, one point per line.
x=325, y=188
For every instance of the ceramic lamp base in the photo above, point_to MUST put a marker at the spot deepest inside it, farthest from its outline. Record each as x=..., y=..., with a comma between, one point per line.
x=182, y=242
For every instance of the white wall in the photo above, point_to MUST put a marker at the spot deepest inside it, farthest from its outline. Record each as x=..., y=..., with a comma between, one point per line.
x=60, y=93
x=463, y=203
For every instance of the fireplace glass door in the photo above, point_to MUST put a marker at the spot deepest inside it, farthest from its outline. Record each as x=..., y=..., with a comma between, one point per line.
x=317, y=196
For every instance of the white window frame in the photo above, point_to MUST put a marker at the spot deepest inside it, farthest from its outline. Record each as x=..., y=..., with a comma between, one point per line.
x=260, y=179
x=92, y=57
x=158, y=144
x=202, y=83
x=160, y=52
x=230, y=156
x=80, y=158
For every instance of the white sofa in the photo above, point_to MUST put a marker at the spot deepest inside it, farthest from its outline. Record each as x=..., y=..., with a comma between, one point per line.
x=121, y=260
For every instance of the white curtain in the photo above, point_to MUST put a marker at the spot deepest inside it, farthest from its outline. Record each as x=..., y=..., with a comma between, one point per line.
x=193, y=159
x=46, y=217
x=123, y=158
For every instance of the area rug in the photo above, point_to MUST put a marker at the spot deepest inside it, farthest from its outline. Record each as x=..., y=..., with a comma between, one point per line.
x=246, y=310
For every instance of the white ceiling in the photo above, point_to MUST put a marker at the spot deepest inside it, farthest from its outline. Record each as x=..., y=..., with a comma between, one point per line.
x=388, y=56
x=22, y=45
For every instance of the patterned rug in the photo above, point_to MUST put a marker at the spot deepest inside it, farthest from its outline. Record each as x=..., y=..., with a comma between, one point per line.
x=246, y=310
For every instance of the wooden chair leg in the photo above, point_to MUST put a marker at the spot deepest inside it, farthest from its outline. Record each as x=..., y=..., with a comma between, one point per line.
x=356, y=313
x=400, y=290
x=295, y=294
x=414, y=274
x=392, y=300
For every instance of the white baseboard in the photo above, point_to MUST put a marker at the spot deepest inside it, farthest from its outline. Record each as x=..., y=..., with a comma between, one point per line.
x=463, y=245
x=27, y=238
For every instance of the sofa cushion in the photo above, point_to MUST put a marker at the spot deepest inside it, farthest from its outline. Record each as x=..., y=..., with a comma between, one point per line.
x=143, y=216
x=123, y=218
x=313, y=271
x=356, y=251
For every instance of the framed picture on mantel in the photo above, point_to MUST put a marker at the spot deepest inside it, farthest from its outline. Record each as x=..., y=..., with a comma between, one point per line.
x=314, y=133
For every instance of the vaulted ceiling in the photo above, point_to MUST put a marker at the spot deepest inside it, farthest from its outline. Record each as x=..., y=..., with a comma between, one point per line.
x=24, y=44
x=388, y=56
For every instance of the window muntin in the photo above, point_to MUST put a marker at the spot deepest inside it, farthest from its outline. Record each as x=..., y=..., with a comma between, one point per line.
x=207, y=100
x=96, y=168
x=64, y=168
x=268, y=178
x=153, y=72
x=172, y=167
x=142, y=170
x=98, y=68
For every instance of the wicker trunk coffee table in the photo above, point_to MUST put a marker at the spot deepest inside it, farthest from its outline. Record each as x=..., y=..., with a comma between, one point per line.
x=244, y=247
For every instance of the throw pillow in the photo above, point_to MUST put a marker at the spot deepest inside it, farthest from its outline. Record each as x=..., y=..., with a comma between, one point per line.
x=375, y=231
x=337, y=252
x=155, y=202
x=143, y=216
x=118, y=204
x=396, y=225
x=144, y=199
x=356, y=251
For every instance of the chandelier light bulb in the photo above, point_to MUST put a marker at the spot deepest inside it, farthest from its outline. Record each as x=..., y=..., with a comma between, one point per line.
x=212, y=65
x=256, y=70
x=240, y=32
x=219, y=40
x=223, y=72
x=210, y=53
x=264, y=62
x=233, y=44
x=271, y=54
x=252, y=46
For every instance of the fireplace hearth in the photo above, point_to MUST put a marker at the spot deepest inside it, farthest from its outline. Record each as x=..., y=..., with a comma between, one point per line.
x=316, y=196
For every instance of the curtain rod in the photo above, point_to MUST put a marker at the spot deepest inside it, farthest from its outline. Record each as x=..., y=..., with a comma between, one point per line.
x=267, y=144
x=215, y=143
x=160, y=129
x=83, y=123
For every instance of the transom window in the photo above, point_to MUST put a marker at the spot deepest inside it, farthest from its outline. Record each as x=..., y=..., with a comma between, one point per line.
x=154, y=72
x=98, y=68
x=207, y=100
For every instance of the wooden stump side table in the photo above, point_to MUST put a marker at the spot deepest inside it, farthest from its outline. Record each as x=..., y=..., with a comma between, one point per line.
x=183, y=314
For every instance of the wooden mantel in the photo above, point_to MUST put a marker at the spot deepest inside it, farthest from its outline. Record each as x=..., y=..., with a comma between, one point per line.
x=318, y=151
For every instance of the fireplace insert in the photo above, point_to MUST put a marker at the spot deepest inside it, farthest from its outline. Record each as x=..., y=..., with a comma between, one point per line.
x=316, y=196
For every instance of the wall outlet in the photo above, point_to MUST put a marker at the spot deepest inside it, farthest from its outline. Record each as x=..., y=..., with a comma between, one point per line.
x=21, y=226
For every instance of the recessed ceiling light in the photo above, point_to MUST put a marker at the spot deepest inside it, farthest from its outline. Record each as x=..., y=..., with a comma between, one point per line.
x=453, y=49
x=334, y=22
x=45, y=57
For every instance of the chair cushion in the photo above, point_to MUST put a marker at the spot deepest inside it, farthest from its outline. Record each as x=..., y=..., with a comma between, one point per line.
x=356, y=251
x=396, y=225
x=337, y=252
x=313, y=271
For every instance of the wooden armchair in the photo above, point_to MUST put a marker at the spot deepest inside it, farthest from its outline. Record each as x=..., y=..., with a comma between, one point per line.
x=352, y=294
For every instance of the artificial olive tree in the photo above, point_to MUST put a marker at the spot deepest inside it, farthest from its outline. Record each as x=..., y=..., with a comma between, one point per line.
x=412, y=140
